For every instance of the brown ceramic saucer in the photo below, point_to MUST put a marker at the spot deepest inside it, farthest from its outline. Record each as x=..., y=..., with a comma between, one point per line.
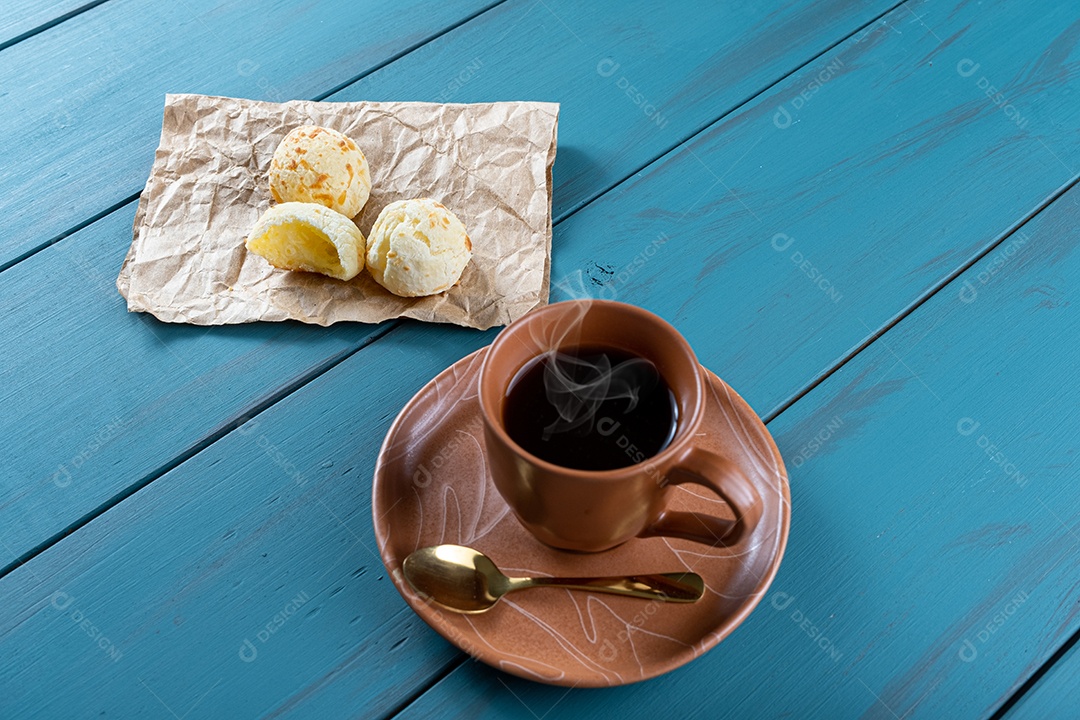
x=432, y=486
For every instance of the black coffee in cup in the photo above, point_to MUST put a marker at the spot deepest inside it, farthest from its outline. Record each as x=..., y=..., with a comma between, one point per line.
x=590, y=408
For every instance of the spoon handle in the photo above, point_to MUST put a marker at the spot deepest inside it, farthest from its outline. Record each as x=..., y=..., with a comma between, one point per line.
x=666, y=587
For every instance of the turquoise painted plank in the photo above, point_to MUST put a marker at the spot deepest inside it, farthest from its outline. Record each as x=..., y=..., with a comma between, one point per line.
x=633, y=79
x=95, y=399
x=932, y=563
x=115, y=431
x=62, y=321
x=22, y=16
x=178, y=571
x=204, y=612
x=86, y=96
x=1055, y=695
x=672, y=293
x=240, y=49
x=895, y=173
x=91, y=560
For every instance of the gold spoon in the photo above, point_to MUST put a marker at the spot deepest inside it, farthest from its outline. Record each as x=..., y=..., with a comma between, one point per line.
x=466, y=581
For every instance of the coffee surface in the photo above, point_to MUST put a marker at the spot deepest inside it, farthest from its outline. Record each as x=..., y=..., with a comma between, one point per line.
x=590, y=408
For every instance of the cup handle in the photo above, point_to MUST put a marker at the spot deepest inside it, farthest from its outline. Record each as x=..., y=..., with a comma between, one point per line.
x=724, y=478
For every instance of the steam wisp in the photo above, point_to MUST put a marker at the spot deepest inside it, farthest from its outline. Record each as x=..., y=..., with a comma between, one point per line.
x=578, y=385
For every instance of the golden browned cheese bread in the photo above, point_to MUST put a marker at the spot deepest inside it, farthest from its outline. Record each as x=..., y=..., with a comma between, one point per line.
x=319, y=165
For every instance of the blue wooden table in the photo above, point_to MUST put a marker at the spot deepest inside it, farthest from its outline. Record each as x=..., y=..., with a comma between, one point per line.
x=870, y=230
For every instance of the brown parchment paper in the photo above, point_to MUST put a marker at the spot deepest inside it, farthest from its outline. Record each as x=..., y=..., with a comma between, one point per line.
x=489, y=163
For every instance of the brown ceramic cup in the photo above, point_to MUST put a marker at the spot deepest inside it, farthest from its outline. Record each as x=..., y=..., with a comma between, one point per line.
x=590, y=511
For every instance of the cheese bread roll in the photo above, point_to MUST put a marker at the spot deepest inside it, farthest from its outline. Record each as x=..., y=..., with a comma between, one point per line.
x=417, y=247
x=307, y=236
x=319, y=165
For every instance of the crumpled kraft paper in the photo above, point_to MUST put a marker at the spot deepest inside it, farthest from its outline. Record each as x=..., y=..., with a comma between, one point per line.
x=489, y=163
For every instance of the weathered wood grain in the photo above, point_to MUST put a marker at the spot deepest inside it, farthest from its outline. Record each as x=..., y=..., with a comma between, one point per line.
x=240, y=49
x=634, y=79
x=933, y=557
x=20, y=17
x=167, y=414
x=179, y=571
x=95, y=399
x=176, y=599
x=744, y=295
x=1057, y=693
x=88, y=123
